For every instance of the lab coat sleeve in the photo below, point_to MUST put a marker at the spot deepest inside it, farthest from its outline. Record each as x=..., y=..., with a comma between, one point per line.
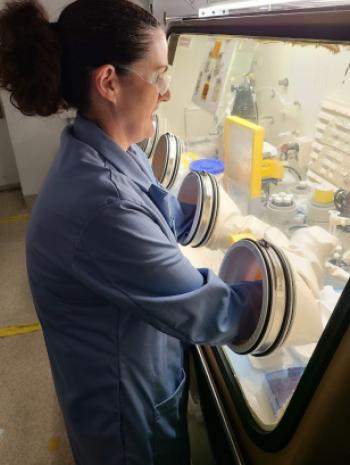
x=177, y=214
x=124, y=255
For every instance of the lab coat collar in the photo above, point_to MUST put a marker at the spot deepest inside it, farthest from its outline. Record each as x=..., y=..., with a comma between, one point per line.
x=131, y=163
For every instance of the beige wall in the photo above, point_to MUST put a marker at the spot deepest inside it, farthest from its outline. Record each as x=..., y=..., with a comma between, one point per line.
x=8, y=168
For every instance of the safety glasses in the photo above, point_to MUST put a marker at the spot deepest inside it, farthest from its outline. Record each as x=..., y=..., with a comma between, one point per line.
x=161, y=83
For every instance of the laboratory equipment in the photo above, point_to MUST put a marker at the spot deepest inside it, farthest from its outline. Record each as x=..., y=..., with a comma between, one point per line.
x=286, y=315
x=215, y=212
x=330, y=157
x=173, y=159
x=263, y=406
x=243, y=155
x=319, y=206
x=244, y=103
x=209, y=165
x=166, y=161
x=281, y=209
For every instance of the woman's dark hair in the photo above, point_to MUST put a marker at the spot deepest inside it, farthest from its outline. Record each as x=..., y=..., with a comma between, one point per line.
x=47, y=67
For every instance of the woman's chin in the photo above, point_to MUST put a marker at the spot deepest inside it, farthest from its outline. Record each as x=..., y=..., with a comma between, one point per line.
x=146, y=133
x=149, y=132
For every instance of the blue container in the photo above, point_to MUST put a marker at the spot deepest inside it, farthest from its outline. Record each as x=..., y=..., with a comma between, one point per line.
x=209, y=165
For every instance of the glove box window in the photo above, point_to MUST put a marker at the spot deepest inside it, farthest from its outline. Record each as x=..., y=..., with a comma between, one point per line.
x=291, y=96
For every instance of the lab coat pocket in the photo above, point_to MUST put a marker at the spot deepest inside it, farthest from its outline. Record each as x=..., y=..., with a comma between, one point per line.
x=171, y=445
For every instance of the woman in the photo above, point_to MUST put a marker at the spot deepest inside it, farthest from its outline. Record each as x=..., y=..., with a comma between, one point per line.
x=118, y=302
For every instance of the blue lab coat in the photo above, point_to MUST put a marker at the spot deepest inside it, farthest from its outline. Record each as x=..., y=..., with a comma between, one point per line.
x=118, y=302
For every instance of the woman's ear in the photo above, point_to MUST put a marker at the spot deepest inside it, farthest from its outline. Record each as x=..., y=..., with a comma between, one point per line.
x=106, y=83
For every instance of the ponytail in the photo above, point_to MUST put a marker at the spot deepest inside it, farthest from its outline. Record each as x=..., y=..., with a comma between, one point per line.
x=30, y=54
x=47, y=67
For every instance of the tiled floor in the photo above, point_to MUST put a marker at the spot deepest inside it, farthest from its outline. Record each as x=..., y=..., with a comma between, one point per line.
x=31, y=426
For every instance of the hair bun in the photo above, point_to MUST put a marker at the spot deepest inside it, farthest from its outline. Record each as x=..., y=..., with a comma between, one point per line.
x=30, y=58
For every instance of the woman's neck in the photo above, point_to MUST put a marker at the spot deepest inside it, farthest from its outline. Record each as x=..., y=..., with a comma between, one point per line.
x=110, y=126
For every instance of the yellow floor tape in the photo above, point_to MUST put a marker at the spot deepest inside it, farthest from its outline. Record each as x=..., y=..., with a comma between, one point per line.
x=17, y=330
x=54, y=443
x=14, y=219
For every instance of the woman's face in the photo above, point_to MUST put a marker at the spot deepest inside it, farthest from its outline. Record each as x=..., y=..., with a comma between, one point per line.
x=140, y=90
